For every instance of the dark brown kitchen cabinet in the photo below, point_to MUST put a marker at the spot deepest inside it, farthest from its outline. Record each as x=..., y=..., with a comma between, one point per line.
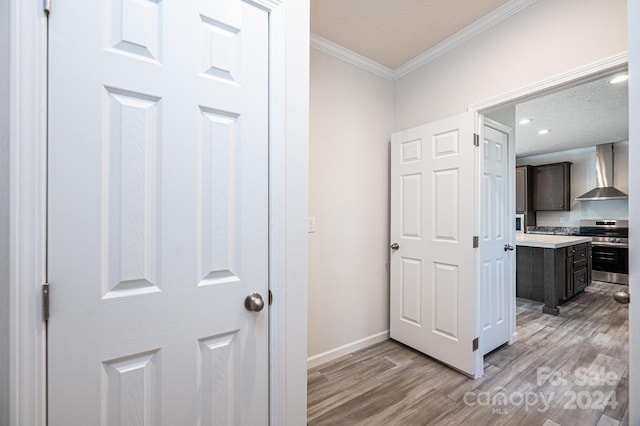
x=552, y=275
x=524, y=194
x=578, y=272
x=523, y=189
x=552, y=187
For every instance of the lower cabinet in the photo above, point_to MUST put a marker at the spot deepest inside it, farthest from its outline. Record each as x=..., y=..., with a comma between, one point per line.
x=578, y=269
x=552, y=275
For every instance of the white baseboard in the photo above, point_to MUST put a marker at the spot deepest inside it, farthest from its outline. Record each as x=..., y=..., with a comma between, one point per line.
x=332, y=354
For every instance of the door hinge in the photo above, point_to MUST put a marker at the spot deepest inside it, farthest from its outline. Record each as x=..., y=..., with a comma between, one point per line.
x=47, y=6
x=270, y=298
x=476, y=139
x=476, y=241
x=476, y=344
x=45, y=301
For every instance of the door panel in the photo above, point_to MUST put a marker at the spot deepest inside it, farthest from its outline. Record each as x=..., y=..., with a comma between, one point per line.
x=411, y=288
x=494, y=233
x=411, y=208
x=432, y=220
x=158, y=212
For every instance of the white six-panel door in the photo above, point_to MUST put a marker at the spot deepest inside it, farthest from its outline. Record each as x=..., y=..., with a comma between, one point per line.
x=158, y=212
x=433, y=222
x=495, y=233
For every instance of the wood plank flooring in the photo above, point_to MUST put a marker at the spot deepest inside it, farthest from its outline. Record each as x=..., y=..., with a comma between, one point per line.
x=566, y=370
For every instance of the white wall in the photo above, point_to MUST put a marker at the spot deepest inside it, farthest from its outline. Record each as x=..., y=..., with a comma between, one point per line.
x=634, y=212
x=4, y=212
x=350, y=126
x=546, y=39
x=583, y=179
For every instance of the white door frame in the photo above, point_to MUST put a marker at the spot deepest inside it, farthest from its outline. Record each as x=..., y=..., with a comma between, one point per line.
x=593, y=70
x=27, y=140
x=288, y=206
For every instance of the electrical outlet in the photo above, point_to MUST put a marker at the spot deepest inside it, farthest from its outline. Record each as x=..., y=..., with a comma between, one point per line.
x=312, y=225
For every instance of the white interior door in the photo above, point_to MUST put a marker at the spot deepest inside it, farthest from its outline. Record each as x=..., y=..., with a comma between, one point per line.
x=495, y=236
x=432, y=222
x=158, y=213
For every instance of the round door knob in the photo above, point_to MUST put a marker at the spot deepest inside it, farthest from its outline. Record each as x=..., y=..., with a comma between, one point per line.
x=508, y=247
x=254, y=302
x=395, y=246
x=622, y=297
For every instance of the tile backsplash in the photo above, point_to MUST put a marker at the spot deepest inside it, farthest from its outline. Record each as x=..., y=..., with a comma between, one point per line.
x=555, y=230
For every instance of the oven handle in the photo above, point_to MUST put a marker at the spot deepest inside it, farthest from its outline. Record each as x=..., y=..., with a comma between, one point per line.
x=606, y=259
x=618, y=245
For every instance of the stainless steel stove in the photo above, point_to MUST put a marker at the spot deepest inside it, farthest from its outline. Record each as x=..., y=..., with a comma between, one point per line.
x=610, y=249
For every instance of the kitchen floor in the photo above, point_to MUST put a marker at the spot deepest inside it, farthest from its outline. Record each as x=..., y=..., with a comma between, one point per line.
x=570, y=369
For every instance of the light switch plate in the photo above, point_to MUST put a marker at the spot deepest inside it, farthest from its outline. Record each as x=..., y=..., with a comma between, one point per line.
x=312, y=225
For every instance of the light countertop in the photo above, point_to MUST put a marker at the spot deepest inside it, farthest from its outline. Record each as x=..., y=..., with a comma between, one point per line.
x=549, y=241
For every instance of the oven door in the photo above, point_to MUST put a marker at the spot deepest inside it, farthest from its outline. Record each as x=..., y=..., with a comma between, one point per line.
x=610, y=258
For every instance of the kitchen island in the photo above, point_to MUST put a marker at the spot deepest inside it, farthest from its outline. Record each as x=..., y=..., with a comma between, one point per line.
x=552, y=268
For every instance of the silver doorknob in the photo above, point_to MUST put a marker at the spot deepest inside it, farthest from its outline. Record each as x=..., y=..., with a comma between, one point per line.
x=508, y=247
x=395, y=246
x=622, y=297
x=254, y=302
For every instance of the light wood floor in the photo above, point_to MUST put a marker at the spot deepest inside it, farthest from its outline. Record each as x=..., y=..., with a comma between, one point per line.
x=563, y=371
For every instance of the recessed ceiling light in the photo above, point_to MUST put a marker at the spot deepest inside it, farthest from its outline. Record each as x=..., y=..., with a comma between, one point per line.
x=619, y=79
x=543, y=131
x=525, y=121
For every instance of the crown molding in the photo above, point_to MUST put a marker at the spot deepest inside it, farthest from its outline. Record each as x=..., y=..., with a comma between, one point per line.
x=483, y=24
x=335, y=50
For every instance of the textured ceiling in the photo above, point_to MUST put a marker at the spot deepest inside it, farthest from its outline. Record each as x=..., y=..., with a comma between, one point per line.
x=589, y=114
x=392, y=32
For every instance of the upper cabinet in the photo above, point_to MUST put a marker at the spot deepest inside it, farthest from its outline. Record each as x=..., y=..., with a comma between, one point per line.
x=552, y=187
x=523, y=189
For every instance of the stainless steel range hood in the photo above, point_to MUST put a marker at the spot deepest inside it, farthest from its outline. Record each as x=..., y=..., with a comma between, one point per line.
x=604, y=177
